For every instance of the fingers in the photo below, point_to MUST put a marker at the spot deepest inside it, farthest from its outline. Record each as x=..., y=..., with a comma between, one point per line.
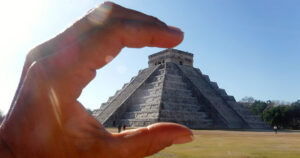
x=97, y=19
x=149, y=140
x=74, y=55
x=139, y=34
x=106, y=42
x=108, y=10
x=118, y=11
x=101, y=44
x=121, y=27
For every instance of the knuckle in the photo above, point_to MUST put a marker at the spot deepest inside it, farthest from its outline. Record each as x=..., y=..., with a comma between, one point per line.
x=39, y=69
x=38, y=53
x=34, y=68
x=31, y=56
x=109, y=7
x=107, y=3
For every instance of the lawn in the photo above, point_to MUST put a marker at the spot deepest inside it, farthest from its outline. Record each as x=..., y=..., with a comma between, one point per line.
x=236, y=144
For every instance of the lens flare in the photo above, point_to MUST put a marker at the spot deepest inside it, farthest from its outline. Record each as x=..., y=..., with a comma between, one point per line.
x=98, y=15
x=55, y=105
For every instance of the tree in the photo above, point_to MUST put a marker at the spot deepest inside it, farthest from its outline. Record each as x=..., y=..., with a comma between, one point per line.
x=258, y=107
x=277, y=116
x=294, y=115
x=247, y=101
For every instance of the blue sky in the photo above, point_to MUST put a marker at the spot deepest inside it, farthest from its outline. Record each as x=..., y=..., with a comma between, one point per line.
x=250, y=48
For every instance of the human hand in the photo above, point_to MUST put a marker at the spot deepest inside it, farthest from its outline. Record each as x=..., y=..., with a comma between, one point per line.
x=46, y=120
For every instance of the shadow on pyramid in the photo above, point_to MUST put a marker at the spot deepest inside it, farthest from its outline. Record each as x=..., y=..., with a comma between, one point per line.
x=172, y=90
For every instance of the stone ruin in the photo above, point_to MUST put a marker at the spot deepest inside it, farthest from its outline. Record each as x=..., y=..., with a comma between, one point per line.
x=172, y=90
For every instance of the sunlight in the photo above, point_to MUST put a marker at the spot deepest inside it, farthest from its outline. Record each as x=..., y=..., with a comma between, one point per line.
x=98, y=15
x=18, y=19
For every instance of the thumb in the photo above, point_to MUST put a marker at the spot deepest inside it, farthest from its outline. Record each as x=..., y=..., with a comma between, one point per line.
x=149, y=140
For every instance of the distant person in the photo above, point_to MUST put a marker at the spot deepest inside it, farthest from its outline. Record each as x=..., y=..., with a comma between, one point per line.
x=124, y=127
x=275, y=129
x=46, y=120
x=119, y=128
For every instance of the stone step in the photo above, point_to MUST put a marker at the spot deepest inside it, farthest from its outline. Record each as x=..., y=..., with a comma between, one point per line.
x=155, y=78
x=148, y=92
x=155, y=98
x=206, y=77
x=150, y=100
x=183, y=115
x=175, y=93
x=155, y=84
x=141, y=114
x=222, y=92
x=146, y=101
x=177, y=89
x=169, y=84
x=161, y=72
x=96, y=112
x=176, y=104
x=182, y=107
x=138, y=122
x=204, y=123
x=142, y=107
x=252, y=118
x=103, y=105
x=239, y=108
x=137, y=96
x=173, y=77
x=147, y=87
x=152, y=92
x=214, y=85
x=180, y=99
x=242, y=111
x=229, y=98
x=117, y=93
x=179, y=85
x=169, y=71
x=172, y=71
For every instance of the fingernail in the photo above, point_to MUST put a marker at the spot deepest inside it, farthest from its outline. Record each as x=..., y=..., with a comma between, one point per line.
x=173, y=28
x=183, y=139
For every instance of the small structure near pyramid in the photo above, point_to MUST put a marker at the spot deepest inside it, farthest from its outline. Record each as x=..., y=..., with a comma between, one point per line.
x=172, y=90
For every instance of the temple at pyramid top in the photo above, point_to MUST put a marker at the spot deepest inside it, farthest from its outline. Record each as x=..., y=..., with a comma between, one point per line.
x=171, y=55
x=172, y=90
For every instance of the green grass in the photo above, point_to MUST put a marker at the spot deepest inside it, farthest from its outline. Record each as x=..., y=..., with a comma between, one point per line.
x=236, y=144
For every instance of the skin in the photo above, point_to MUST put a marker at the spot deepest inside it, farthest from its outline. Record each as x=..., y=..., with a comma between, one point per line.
x=46, y=120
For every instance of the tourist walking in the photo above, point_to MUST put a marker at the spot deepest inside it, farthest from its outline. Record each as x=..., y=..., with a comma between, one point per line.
x=275, y=129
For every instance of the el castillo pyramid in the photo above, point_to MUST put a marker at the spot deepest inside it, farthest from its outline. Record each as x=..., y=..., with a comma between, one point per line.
x=172, y=90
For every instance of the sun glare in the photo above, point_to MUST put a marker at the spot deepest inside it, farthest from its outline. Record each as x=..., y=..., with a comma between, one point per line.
x=18, y=19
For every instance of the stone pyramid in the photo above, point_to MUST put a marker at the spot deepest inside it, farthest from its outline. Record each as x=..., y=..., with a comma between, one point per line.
x=172, y=90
